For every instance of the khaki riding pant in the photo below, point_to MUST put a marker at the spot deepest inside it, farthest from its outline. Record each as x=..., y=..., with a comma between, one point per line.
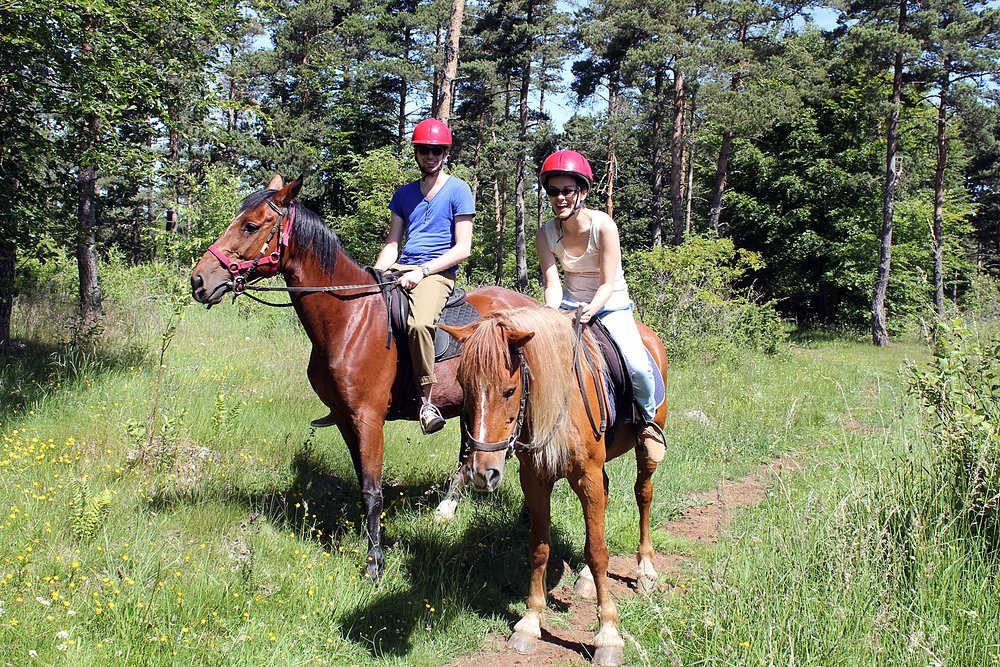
x=427, y=301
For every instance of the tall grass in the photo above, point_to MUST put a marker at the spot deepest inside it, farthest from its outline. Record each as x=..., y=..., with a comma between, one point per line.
x=165, y=502
x=883, y=554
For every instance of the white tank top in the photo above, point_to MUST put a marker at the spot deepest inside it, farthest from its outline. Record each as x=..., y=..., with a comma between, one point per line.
x=582, y=274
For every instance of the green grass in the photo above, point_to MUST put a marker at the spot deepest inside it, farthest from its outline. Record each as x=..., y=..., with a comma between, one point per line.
x=231, y=536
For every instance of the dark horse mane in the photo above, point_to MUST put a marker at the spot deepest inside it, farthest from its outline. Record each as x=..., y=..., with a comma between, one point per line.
x=309, y=231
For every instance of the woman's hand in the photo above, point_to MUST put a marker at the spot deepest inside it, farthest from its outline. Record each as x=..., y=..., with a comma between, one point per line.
x=587, y=312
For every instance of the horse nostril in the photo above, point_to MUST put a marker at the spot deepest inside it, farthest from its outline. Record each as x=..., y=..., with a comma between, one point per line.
x=493, y=477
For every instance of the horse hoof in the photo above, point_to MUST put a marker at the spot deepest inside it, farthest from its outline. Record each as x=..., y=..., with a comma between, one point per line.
x=522, y=643
x=608, y=656
x=645, y=578
x=585, y=586
x=445, y=512
x=645, y=585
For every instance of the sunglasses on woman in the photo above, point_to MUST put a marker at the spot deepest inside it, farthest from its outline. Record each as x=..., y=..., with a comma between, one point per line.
x=565, y=192
x=436, y=150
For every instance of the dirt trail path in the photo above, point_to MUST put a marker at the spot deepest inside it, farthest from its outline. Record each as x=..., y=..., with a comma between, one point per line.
x=702, y=522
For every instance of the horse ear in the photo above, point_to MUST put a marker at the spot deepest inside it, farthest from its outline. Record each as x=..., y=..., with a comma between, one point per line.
x=287, y=194
x=518, y=339
x=276, y=183
x=459, y=333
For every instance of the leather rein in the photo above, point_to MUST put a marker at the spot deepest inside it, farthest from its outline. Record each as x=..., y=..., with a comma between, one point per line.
x=242, y=271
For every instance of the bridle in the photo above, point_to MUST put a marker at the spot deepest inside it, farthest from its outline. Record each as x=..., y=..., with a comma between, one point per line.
x=510, y=444
x=242, y=271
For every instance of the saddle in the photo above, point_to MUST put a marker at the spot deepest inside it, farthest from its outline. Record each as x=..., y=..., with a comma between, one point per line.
x=457, y=311
x=622, y=408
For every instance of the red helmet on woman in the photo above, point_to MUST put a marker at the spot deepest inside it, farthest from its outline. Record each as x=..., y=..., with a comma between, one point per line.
x=432, y=132
x=566, y=162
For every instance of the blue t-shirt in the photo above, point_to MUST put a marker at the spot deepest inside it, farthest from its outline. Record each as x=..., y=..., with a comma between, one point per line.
x=430, y=225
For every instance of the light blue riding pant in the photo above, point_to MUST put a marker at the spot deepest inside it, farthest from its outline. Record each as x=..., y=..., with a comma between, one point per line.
x=621, y=325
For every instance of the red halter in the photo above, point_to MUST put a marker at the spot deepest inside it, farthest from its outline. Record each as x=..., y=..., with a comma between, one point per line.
x=241, y=271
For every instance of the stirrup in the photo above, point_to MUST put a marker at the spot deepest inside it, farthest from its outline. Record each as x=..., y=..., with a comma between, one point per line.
x=652, y=439
x=431, y=420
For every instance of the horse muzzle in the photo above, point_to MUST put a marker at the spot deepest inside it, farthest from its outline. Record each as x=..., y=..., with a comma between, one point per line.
x=208, y=294
x=487, y=475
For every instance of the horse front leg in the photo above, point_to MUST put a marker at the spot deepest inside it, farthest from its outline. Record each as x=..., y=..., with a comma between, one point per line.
x=646, y=576
x=537, y=496
x=445, y=510
x=590, y=488
x=366, y=444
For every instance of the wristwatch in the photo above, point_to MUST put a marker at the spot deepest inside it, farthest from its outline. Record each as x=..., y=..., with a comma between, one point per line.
x=426, y=270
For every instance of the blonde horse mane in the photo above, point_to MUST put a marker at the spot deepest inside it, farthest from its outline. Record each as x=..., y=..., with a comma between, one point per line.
x=486, y=361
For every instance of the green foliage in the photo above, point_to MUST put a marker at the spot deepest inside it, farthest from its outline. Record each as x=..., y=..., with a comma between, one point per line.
x=959, y=396
x=211, y=209
x=88, y=511
x=370, y=183
x=688, y=294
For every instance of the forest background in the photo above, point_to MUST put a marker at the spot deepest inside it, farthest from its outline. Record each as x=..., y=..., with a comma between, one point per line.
x=164, y=500
x=843, y=177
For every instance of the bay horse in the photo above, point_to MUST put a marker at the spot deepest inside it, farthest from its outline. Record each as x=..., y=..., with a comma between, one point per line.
x=524, y=395
x=355, y=367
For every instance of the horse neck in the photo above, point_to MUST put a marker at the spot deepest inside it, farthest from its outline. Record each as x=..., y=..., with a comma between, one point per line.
x=330, y=316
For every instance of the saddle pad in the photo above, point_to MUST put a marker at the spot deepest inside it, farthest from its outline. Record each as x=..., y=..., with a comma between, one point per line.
x=618, y=383
x=445, y=346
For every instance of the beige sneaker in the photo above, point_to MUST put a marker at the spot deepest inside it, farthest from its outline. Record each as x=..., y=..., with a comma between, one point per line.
x=652, y=440
x=431, y=420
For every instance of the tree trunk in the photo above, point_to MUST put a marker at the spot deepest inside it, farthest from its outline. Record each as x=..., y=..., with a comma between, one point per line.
x=721, y=170
x=91, y=307
x=436, y=82
x=520, y=234
x=612, y=158
x=939, y=169
x=451, y=60
x=689, y=166
x=7, y=266
x=880, y=332
x=656, y=160
x=135, y=256
x=677, y=144
x=499, y=217
x=403, y=91
x=173, y=143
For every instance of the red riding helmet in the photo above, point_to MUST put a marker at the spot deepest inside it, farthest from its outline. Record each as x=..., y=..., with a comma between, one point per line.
x=566, y=162
x=432, y=132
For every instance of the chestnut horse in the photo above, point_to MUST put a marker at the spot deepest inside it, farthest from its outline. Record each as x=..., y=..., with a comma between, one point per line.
x=352, y=366
x=524, y=394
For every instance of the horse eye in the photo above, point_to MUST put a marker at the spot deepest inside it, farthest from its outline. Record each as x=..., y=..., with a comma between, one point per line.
x=507, y=393
x=250, y=228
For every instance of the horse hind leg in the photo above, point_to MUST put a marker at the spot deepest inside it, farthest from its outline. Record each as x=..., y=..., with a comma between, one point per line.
x=646, y=575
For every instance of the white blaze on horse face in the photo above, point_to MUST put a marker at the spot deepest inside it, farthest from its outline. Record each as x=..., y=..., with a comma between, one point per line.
x=481, y=435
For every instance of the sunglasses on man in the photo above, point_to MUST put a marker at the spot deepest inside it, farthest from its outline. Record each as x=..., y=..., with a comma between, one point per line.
x=436, y=150
x=565, y=192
